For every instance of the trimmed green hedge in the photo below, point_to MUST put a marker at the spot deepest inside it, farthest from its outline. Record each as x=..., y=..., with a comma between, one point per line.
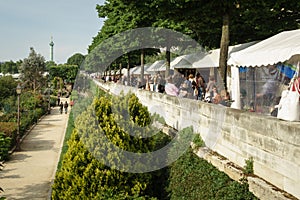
x=82, y=176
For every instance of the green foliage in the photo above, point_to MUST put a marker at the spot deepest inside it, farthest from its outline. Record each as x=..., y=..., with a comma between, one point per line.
x=248, y=168
x=53, y=101
x=198, y=142
x=7, y=88
x=4, y=146
x=9, y=105
x=76, y=59
x=66, y=72
x=88, y=177
x=248, y=20
x=32, y=70
x=83, y=174
x=9, y=67
x=68, y=135
x=195, y=178
x=49, y=64
x=74, y=95
x=158, y=118
x=138, y=113
x=32, y=107
x=8, y=128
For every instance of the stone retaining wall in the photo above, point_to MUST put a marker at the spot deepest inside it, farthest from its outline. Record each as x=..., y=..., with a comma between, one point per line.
x=237, y=135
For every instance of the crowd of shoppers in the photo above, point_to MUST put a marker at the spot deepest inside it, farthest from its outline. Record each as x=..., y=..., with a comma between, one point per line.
x=191, y=86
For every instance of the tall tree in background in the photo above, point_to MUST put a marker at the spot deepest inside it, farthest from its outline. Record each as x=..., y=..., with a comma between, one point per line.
x=120, y=16
x=208, y=22
x=7, y=87
x=10, y=67
x=32, y=70
x=76, y=59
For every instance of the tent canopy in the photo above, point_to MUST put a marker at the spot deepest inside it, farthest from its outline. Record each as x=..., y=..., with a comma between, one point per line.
x=137, y=70
x=211, y=59
x=157, y=66
x=204, y=59
x=278, y=48
x=186, y=61
x=132, y=70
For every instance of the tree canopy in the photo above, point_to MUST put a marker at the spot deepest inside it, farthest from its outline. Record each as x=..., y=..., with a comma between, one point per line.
x=7, y=87
x=76, y=59
x=66, y=72
x=235, y=21
x=32, y=70
x=10, y=67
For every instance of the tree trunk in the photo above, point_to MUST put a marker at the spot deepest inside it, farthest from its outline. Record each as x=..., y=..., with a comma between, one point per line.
x=128, y=72
x=224, y=49
x=142, y=66
x=168, y=58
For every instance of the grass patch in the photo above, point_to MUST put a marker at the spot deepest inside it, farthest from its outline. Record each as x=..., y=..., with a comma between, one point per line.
x=68, y=134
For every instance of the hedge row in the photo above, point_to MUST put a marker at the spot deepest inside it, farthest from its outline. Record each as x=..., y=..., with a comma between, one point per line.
x=84, y=176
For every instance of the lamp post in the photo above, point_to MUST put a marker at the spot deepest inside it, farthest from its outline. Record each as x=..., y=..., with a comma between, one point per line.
x=49, y=109
x=18, y=90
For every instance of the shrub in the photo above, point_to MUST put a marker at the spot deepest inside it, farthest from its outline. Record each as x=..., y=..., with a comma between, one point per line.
x=194, y=178
x=4, y=146
x=84, y=176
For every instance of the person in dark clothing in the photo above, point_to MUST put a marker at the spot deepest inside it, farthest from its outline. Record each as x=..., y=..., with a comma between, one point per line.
x=61, y=107
x=66, y=107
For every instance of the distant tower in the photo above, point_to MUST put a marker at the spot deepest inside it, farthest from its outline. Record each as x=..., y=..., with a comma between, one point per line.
x=51, y=48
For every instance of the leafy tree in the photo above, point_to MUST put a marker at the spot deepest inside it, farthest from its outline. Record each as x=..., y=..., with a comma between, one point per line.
x=212, y=22
x=76, y=59
x=9, y=67
x=66, y=72
x=32, y=70
x=50, y=64
x=7, y=87
x=120, y=18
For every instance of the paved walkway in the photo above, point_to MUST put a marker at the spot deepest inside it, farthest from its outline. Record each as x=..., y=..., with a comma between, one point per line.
x=29, y=172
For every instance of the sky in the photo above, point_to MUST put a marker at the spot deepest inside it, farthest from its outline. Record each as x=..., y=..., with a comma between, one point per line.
x=32, y=23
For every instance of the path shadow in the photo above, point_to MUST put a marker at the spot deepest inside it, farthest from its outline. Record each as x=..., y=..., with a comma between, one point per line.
x=32, y=191
x=38, y=145
x=17, y=157
x=6, y=171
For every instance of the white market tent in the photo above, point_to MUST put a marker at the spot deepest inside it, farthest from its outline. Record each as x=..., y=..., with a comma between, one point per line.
x=138, y=69
x=205, y=60
x=278, y=48
x=175, y=61
x=132, y=70
x=124, y=71
x=157, y=66
x=186, y=61
x=211, y=59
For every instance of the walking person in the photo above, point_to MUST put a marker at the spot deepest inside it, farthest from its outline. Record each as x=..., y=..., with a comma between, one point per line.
x=61, y=107
x=66, y=107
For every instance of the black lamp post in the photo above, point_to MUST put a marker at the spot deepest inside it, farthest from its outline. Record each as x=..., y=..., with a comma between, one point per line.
x=18, y=90
x=49, y=109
